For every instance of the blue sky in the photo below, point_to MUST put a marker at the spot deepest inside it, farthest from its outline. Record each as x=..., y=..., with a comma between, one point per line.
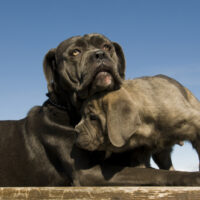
x=158, y=36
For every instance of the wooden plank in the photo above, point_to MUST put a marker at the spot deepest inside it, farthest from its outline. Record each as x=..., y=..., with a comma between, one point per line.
x=103, y=193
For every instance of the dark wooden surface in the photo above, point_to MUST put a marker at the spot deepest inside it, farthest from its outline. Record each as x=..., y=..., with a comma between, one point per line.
x=96, y=193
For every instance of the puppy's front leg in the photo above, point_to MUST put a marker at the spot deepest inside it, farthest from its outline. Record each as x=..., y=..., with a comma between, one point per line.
x=163, y=159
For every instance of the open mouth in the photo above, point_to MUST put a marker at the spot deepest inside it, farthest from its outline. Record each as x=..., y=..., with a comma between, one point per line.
x=103, y=78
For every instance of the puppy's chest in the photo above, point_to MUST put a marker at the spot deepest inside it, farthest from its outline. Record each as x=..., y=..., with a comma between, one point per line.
x=148, y=135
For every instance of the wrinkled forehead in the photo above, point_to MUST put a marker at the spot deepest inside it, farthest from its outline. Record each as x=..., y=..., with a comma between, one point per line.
x=95, y=40
x=94, y=104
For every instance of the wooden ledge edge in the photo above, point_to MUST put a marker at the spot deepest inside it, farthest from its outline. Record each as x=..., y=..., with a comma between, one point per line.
x=86, y=193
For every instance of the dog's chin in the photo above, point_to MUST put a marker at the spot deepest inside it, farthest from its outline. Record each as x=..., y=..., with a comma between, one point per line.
x=102, y=81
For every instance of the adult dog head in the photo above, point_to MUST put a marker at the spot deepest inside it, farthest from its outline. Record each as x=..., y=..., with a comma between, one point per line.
x=83, y=65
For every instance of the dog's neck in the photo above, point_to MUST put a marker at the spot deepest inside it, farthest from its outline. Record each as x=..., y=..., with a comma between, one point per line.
x=54, y=101
x=63, y=103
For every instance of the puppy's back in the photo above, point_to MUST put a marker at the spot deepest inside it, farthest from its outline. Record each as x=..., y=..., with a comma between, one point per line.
x=157, y=95
x=159, y=87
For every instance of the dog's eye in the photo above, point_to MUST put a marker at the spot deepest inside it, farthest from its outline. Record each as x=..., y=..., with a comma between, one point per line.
x=106, y=47
x=93, y=117
x=76, y=52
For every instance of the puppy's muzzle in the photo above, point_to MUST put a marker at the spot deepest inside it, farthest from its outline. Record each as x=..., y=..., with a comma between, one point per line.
x=85, y=139
x=82, y=138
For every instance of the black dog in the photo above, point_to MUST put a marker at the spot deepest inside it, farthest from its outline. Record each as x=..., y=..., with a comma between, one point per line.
x=39, y=150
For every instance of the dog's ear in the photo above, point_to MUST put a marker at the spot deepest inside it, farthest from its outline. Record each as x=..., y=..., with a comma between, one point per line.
x=122, y=118
x=49, y=65
x=122, y=62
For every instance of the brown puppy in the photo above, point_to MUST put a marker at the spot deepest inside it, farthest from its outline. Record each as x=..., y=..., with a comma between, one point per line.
x=150, y=112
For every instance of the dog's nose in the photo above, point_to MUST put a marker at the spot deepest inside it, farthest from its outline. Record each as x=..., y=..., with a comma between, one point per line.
x=100, y=54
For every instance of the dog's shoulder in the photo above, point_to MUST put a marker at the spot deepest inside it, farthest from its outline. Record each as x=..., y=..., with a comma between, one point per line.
x=34, y=111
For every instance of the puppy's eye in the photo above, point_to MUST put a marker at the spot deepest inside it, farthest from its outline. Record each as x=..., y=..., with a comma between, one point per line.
x=76, y=52
x=106, y=47
x=93, y=117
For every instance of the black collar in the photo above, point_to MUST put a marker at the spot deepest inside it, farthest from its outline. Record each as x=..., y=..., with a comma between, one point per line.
x=61, y=107
x=68, y=108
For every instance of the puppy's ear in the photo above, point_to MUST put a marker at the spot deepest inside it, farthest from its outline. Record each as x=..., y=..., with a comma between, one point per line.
x=49, y=65
x=122, y=62
x=122, y=118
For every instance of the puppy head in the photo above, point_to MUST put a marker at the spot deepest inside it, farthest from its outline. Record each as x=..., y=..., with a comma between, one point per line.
x=92, y=127
x=108, y=122
x=85, y=65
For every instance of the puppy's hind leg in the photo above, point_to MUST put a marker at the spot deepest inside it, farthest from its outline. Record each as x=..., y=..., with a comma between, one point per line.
x=194, y=135
x=196, y=146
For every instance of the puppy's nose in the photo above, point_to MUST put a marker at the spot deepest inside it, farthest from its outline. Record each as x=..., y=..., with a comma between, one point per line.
x=100, y=54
